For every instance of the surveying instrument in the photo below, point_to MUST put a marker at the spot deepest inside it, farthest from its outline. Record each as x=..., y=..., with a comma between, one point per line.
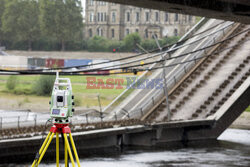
x=61, y=109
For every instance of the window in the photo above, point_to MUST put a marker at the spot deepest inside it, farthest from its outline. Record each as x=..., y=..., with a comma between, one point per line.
x=99, y=32
x=128, y=16
x=146, y=33
x=102, y=17
x=91, y=2
x=190, y=18
x=156, y=16
x=185, y=18
x=101, y=3
x=137, y=30
x=91, y=17
x=176, y=18
x=113, y=17
x=166, y=17
x=175, y=32
x=113, y=33
x=98, y=16
x=90, y=33
x=137, y=16
x=127, y=31
x=147, y=16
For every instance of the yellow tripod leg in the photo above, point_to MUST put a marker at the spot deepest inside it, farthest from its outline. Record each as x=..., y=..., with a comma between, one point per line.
x=42, y=147
x=45, y=149
x=57, y=150
x=65, y=154
x=74, y=149
x=68, y=148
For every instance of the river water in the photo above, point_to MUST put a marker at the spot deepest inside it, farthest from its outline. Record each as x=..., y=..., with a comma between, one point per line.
x=231, y=150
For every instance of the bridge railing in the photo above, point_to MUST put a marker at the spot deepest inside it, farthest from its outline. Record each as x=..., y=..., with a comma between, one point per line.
x=114, y=105
x=171, y=82
x=157, y=94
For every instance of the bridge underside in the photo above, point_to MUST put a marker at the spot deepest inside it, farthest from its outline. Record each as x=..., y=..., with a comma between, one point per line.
x=232, y=10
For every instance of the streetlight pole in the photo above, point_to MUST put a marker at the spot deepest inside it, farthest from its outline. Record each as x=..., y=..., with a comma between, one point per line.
x=164, y=79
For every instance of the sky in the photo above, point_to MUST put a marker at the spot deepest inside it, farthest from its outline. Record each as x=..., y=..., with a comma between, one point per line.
x=83, y=6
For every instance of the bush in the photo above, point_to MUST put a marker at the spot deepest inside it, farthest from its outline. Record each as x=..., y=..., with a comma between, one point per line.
x=11, y=82
x=22, y=91
x=112, y=44
x=169, y=40
x=149, y=44
x=130, y=42
x=44, y=85
x=77, y=101
x=97, y=44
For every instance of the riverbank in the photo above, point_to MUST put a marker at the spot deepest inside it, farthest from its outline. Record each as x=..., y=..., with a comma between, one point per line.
x=70, y=55
x=243, y=122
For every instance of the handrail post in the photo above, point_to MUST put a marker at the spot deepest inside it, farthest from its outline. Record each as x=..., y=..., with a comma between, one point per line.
x=35, y=120
x=1, y=123
x=141, y=113
x=87, y=120
x=18, y=122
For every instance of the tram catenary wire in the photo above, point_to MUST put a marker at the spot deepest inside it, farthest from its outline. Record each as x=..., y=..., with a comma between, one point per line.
x=149, y=57
x=127, y=67
x=159, y=61
x=105, y=68
x=132, y=69
x=157, y=54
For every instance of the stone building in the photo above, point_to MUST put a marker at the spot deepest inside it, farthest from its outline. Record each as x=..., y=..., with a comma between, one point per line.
x=115, y=21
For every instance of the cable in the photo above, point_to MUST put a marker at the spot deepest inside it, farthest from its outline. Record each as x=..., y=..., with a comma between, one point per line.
x=125, y=58
x=168, y=51
x=158, y=61
x=155, y=68
x=102, y=68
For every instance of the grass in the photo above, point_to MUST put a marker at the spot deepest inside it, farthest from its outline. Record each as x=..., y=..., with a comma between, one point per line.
x=86, y=97
x=248, y=109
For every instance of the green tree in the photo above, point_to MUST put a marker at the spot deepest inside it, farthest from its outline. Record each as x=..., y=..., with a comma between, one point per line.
x=97, y=44
x=2, y=7
x=11, y=82
x=131, y=40
x=44, y=85
x=20, y=19
x=61, y=19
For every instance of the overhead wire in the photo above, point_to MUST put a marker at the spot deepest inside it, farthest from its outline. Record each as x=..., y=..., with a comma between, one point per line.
x=162, y=60
x=133, y=56
x=155, y=68
x=106, y=67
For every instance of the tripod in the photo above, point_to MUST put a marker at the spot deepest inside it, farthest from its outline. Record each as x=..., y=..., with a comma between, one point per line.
x=58, y=129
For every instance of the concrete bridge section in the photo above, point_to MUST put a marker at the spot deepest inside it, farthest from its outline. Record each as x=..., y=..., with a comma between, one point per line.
x=209, y=85
x=114, y=139
x=232, y=10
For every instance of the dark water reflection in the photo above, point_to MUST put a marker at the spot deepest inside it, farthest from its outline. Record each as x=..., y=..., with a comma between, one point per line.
x=232, y=149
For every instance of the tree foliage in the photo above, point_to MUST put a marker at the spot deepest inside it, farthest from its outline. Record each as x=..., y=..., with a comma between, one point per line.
x=131, y=40
x=2, y=7
x=97, y=43
x=11, y=82
x=61, y=19
x=20, y=20
x=44, y=85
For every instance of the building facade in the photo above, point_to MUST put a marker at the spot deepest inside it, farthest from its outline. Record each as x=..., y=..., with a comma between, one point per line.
x=115, y=21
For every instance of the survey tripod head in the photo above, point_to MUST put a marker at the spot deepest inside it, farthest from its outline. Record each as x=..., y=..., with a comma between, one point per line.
x=62, y=101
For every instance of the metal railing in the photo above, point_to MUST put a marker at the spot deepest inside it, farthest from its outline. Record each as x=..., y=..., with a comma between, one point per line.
x=128, y=90
x=121, y=113
x=118, y=112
